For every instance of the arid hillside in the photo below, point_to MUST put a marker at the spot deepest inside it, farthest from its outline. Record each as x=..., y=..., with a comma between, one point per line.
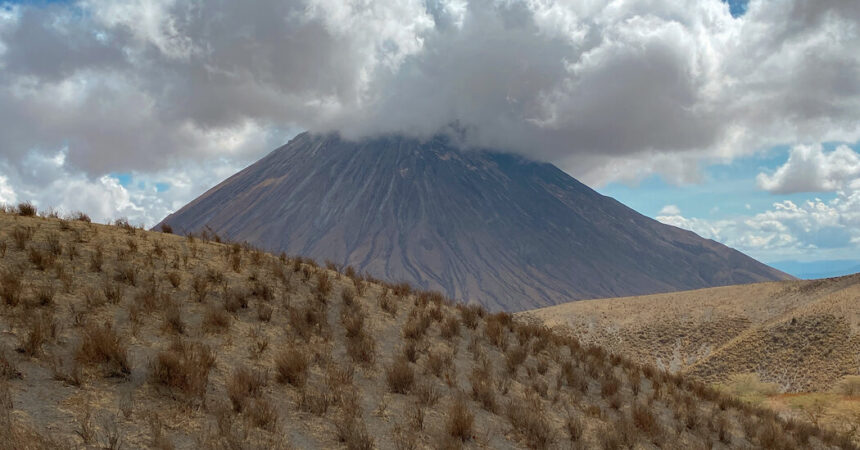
x=802, y=335
x=114, y=337
x=793, y=346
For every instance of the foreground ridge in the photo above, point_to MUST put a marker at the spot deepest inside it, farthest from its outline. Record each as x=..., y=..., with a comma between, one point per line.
x=118, y=337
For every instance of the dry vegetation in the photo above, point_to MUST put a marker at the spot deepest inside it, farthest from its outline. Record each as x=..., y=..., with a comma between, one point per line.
x=118, y=337
x=783, y=345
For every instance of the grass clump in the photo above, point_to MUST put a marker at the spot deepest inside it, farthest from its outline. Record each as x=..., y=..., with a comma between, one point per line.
x=460, y=420
x=101, y=345
x=244, y=384
x=400, y=376
x=291, y=366
x=184, y=368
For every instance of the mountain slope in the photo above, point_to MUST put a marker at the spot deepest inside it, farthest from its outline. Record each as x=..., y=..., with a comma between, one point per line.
x=491, y=228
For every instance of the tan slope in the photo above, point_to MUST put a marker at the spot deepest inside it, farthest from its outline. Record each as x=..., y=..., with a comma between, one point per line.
x=116, y=337
x=800, y=334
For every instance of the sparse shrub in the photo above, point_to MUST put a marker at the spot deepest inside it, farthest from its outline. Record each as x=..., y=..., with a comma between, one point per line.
x=100, y=345
x=400, y=376
x=126, y=273
x=215, y=319
x=337, y=377
x=540, y=386
x=200, y=287
x=8, y=368
x=416, y=326
x=40, y=328
x=691, y=416
x=11, y=287
x=609, y=386
x=41, y=260
x=112, y=292
x=529, y=418
x=401, y=289
x=174, y=278
x=323, y=288
x=262, y=291
x=514, y=357
x=307, y=320
x=45, y=294
x=438, y=361
x=72, y=251
x=26, y=209
x=496, y=333
x=460, y=420
x=542, y=366
x=264, y=312
x=450, y=328
x=291, y=367
x=173, y=319
x=54, y=245
x=353, y=322
x=314, y=401
x=352, y=432
x=410, y=351
x=387, y=303
x=348, y=297
x=614, y=401
x=166, y=228
x=184, y=368
x=362, y=348
x=21, y=236
x=573, y=425
x=770, y=436
x=427, y=393
x=262, y=414
x=81, y=217
x=644, y=419
x=235, y=299
x=259, y=343
x=483, y=390
x=243, y=384
x=97, y=258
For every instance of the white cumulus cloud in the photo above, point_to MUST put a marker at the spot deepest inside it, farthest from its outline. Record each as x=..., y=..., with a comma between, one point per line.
x=810, y=169
x=613, y=90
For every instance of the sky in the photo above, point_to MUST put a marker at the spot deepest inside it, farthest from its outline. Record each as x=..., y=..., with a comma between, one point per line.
x=737, y=120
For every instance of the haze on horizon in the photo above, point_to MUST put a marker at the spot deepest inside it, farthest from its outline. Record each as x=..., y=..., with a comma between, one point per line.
x=738, y=121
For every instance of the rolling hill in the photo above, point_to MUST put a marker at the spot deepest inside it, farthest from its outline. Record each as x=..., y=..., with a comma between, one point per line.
x=801, y=338
x=481, y=226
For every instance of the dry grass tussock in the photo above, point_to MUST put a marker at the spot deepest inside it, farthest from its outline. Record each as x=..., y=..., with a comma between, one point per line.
x=165, y=341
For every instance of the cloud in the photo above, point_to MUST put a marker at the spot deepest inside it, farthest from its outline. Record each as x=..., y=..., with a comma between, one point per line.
x=810, y=169
x=7, y=195
x=143, y=198
x=787, y=229
x=608, y=90
x=670, y=210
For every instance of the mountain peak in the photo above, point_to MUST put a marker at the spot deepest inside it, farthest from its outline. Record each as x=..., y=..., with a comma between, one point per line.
x=479, y=225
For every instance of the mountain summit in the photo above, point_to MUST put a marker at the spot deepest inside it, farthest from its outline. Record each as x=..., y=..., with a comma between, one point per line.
x=481, y=226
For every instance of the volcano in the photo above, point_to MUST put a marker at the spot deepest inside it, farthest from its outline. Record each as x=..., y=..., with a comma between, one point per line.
x=478, y=225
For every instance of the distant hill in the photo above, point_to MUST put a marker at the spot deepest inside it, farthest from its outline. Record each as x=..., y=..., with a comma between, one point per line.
x=115, y=337
x=480, y=226
x=801, y=335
